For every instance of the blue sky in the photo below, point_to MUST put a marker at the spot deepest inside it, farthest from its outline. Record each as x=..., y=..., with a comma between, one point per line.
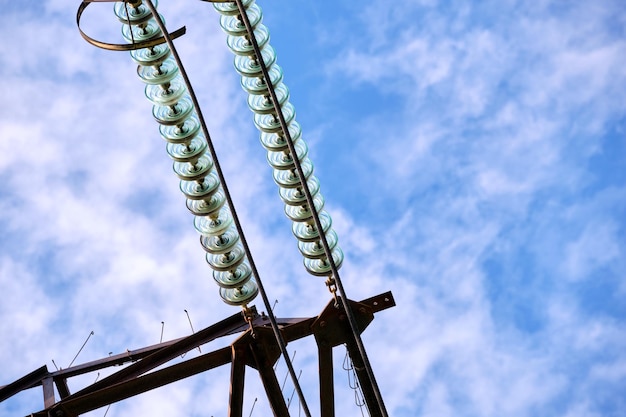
x=471, y=156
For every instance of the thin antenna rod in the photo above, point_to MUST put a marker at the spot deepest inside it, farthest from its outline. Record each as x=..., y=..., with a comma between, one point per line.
x=192, y=330
x=205, y=130
x=253, y=404
x=309, y=198
x=81, y=348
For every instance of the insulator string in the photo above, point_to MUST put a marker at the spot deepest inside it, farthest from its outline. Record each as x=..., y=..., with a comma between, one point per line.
x=266, y=94
x=266, y=302
x=296, y=160
x=176, y=109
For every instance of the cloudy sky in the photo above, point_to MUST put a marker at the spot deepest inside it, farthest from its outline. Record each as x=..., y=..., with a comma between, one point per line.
x=471, y=155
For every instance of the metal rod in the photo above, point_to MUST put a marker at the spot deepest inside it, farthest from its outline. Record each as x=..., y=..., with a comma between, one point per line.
x=266, y=302
x=310, y=202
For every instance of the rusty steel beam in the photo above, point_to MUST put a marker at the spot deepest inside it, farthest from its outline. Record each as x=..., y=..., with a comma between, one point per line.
x=237, y=379
x=25, y=382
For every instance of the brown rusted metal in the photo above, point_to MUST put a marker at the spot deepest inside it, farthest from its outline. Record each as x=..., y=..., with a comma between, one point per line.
x=237, y=379
x=256, y=347
x=327, y=388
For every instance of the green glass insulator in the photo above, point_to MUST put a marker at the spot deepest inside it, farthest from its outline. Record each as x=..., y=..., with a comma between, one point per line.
x=248, y=67
x=226, y=261
x=321, y=267
x=262, y=104
x=142, y=33
x=230, y=7
x=136, y=15
x=288, y=178
x=182, y=133
x=187, y=152
x=240, y=45
x=257, y=85
x=315, y=249
x=201, y=189
x=195, y=172
x=303, y=213
x=307, y=232
x=151, y=56
x=233, y=278
x=209, y=226
x=167, y=94
x=158, y=74
x=276, y=142
x=173, y=115
x=222, y=243
x=235, y=27
x=240, y=296
x=208, y=206
x=269, y=123
x=284, y=160
x=296, y=196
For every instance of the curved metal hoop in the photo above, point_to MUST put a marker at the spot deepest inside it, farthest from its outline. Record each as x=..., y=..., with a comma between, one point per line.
x=118, y=46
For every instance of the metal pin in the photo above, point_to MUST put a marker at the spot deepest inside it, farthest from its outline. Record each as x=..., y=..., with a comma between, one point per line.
x=81, y=348
x=252, y=409
x=286, y=373
x=192, y=330
x=55, y=365
x=294, y=391
x=162, y=327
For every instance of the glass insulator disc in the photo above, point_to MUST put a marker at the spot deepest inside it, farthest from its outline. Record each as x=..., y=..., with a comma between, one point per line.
x=142, y=33
x=303, y=213
x=173, y=115
x=262, y=104
x=207, y=206
x=276, y=142
x=226, y=261
x=288, y=178
x=240, y=45
x=158, y=74
x=167, y=94
x=256, y=85
x=193, y=172
x=182, y=152
x=307, y=232
x=209, y=226
x=240, y=296
x=199, y=190
x=181, y=133
x=283, y=160
x=151, y=56
x=248, y=67
x=230, y=8
x=296, y=196
x=269, y=123
x=222, y=243
x=136, y=15
x=321, y=267
x=234, y=278
x=234, y=27
x=315, y=250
